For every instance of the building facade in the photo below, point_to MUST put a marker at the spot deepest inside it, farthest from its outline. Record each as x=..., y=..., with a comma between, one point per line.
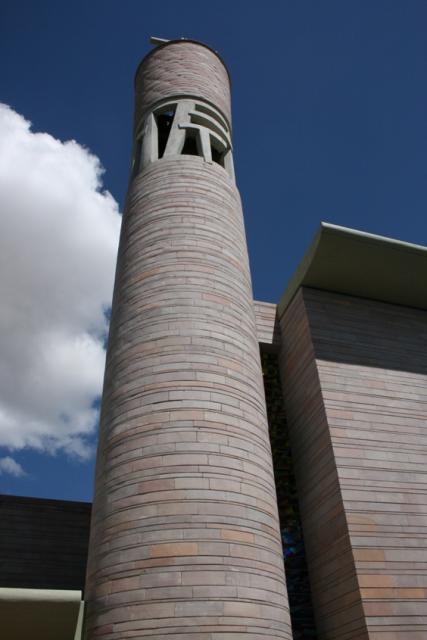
x=261, y=469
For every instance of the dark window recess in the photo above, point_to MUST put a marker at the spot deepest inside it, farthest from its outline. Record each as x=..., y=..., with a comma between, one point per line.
x=297, y=582
x=190, y=147
x=217, y=156
x=164, y=123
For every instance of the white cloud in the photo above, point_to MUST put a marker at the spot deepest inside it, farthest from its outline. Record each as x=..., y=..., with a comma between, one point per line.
x=10, y=466
x=58, y=242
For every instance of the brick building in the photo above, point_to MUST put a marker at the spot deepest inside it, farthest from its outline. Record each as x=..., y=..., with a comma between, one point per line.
x=237, y=434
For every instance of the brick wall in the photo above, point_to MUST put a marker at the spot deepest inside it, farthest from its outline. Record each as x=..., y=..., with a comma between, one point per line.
x=185, y=536
x=182, y=69
x=267, y=328
x=43, y=543
x=357, y=377
x=334, y=587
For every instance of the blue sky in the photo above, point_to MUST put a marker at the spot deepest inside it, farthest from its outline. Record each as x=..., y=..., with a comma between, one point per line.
x=329, y=123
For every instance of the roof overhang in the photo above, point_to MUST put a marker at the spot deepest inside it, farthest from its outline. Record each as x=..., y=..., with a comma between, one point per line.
x=41, y=614
x=361, y=264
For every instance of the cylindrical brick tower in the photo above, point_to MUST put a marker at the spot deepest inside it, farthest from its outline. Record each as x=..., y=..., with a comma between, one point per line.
x=185, y=538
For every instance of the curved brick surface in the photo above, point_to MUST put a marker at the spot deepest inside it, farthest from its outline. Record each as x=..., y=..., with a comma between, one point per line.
x=181, y=68
x=185, y=539
x=185, y=529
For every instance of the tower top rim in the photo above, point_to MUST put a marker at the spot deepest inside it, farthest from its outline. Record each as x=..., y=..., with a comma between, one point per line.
x=181, y=41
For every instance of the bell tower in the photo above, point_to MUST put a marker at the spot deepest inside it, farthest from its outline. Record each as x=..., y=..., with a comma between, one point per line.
x=185, y=539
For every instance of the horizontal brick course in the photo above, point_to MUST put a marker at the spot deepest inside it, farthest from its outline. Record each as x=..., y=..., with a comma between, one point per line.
x=185, y=535
x=360, y=425
x=182, y=69
x=43, y=543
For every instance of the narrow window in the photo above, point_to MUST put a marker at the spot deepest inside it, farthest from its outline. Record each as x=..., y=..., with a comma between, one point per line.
x=217, y=154
x=297, y=580
x=218, y=151
x=191, y=146
x=164, y=123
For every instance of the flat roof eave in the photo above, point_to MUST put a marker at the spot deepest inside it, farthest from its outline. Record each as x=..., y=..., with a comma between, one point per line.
x=361, y=264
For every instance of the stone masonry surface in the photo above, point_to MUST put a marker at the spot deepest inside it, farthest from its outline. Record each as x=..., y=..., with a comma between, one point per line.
x=335, y=594
x=43, y=543
x=181, y=69
x=372, y=366
x=356, y=393
x=185, y=538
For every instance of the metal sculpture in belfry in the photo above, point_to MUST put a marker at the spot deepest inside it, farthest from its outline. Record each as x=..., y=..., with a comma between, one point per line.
x=185, y=538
